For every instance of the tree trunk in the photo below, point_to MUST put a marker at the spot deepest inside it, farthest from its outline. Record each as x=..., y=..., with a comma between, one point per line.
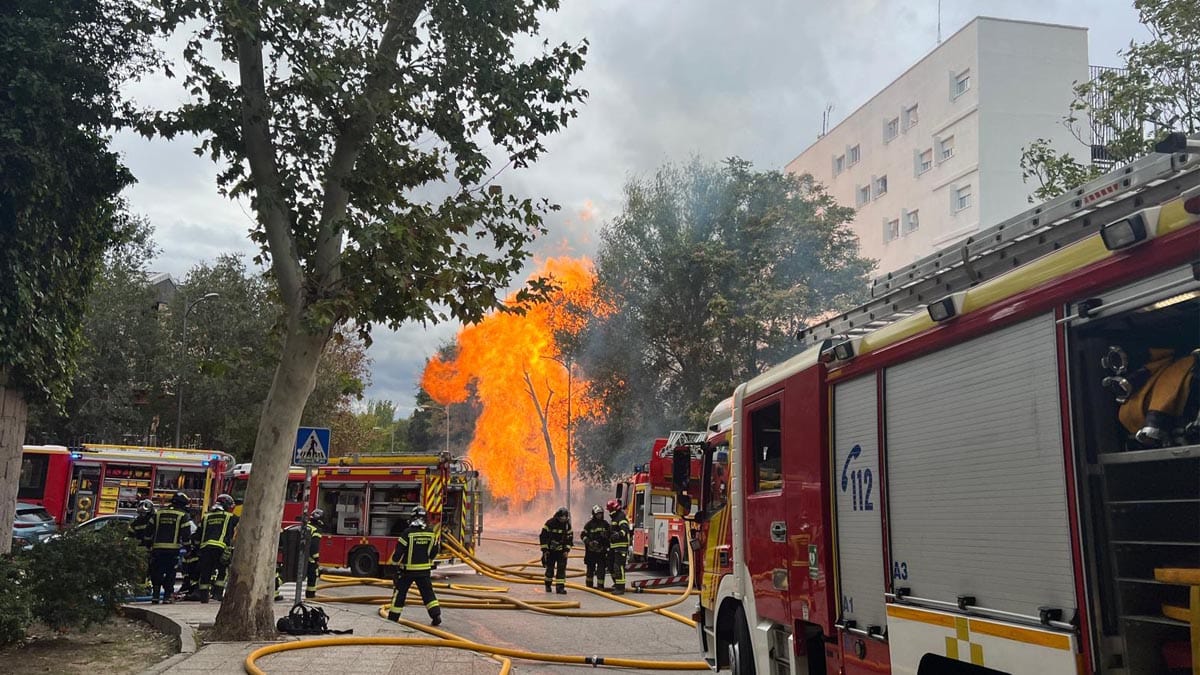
x=543, y=413
x=248, y=610
x=13, y=414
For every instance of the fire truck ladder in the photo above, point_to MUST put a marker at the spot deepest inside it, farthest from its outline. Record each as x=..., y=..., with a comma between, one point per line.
x=677, y=438
x=1173, y=170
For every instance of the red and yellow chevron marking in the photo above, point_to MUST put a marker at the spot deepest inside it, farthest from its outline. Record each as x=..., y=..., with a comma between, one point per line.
x=435, y=495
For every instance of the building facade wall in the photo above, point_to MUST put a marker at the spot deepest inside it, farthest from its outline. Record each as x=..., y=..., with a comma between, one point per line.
x=951, y=167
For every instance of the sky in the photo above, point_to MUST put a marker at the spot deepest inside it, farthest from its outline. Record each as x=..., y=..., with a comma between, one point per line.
x=668, y=80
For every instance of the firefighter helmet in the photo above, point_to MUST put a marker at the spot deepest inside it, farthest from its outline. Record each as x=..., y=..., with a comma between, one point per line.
x=597, y=510
x=418, y=511
x=562, y=512
x=225, y=502
x=613, y=505
x=180, y=500
x=317, y=516
x=145, y=506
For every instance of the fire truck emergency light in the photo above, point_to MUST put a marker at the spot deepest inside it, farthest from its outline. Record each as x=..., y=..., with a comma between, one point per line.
x=942, y=309
x=1124, y=233
x=844, y=350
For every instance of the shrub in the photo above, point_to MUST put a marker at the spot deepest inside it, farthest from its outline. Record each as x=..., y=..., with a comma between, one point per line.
x=83, y=577
x=15, y=613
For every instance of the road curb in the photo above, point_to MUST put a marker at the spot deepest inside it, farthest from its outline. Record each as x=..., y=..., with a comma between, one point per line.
x=185, y=636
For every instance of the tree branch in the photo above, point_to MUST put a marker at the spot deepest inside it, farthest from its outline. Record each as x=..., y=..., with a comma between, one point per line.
x=260, y=154
x=402, y=18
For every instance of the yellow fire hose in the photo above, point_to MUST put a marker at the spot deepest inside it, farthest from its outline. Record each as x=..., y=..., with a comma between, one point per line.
x=478, y=600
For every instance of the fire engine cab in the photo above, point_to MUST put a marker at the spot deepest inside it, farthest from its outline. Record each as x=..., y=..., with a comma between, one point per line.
x=368, y=501
x=657, y=531
x=991, y=467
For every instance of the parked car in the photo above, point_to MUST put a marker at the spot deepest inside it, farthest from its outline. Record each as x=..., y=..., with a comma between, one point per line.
x=98, y=523
x=33, y=524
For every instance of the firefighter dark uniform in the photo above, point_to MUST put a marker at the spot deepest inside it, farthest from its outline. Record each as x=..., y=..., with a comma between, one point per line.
x=215, y=537
x=414, y=556
x=170, y=527
x=618, y=545
x=595, y=546
x=139, y=529
x=556, y=540
x=315, y=522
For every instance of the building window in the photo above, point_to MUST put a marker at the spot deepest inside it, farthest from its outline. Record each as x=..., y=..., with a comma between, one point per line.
x=891, y=230
x=910, y=117
x=839, y=164
x=864, y=194
x=946, y=148
x=912, y=222
x=853, y=154
x=962, y=198
x=925, y=161
x=890, y=129
x=880, y=186
x=960, y=83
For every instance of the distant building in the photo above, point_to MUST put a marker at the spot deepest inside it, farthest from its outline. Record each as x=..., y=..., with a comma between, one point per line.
x=164, y=289
x=935, y=155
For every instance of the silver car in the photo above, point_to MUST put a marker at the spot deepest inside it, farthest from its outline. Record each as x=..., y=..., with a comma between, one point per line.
x=33, y=525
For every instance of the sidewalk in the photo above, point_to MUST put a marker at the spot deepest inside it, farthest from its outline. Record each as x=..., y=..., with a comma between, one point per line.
x=227, y=657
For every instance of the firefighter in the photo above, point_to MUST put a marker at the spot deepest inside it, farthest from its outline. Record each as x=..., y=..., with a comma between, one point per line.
x=315, y=522
x=556, y=540
x=618, y=545
x=415, y=551
x=215, y=537
x=595, y=545
x=139, y=529
x=168, y=533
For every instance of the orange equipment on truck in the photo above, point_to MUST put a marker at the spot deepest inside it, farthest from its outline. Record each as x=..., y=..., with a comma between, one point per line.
x=657, y=531
x=368, y=501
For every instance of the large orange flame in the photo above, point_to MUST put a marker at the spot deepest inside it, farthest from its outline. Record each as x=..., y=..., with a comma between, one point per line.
x=521, y=379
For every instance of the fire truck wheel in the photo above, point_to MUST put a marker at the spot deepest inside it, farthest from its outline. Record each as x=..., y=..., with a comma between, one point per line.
x=364, y=563
x=675, y=561
x=741, y=654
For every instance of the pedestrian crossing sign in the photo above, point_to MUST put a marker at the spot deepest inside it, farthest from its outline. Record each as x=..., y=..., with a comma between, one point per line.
x=312, y=447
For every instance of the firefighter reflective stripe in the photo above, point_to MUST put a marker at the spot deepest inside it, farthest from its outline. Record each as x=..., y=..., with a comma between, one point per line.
x=167, y=525
x=556, y=536
x=914, y=632
x=415, y=550
x=858, y=506
x=619, y=538
x=976, y=482
x=1165, y=392
x=216, y=529
x=314, y=543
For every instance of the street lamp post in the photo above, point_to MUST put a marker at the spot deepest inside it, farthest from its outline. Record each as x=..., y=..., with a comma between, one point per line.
x=183, y=341
x=566, y=364
x=446, y=411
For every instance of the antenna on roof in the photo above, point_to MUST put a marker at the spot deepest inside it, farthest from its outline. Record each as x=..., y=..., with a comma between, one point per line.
x=825, y=120
x=939, y=22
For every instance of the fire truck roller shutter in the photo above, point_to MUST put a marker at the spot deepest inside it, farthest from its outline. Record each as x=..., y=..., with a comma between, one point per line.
x=856, y=483
x=976, y=484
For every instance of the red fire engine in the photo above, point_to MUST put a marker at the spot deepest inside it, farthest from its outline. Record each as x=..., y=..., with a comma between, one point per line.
x=75, y=484
x=991, y=467
x=293, y=501
x=368, y=501
x=657, y=532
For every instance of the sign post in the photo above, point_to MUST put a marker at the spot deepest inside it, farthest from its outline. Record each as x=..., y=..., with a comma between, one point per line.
x=311, y=450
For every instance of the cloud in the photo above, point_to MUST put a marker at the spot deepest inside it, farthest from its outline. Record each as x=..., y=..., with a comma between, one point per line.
x=668, y=80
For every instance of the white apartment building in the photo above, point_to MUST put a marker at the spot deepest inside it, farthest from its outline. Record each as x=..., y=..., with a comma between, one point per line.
x=935, y=156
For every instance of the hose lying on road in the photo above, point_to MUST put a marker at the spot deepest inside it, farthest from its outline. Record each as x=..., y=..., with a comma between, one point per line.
x=481, y=601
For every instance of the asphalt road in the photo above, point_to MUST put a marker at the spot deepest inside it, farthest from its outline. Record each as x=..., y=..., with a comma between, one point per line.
x=646, y=636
